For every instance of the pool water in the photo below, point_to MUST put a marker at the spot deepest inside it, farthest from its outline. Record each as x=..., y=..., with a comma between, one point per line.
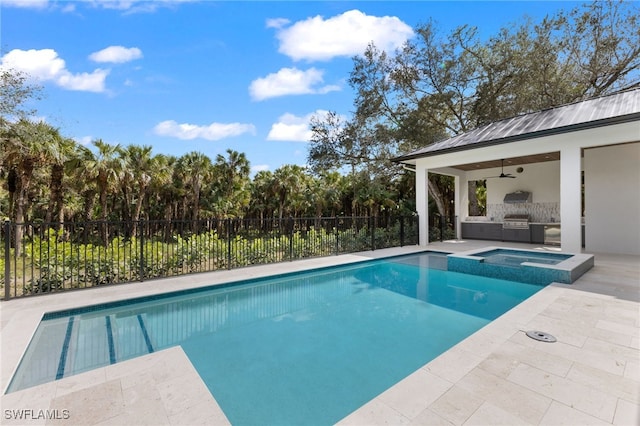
x=303, y=348
x=506, y=257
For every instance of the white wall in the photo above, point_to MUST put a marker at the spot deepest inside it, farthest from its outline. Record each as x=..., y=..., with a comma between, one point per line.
x=541, y=179
x=612, y=199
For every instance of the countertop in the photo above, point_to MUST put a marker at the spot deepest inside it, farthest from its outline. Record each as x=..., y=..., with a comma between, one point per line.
x=500, y=223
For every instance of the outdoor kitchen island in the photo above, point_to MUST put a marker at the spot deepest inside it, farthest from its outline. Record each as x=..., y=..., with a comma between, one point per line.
x=532, y=232
x=495, y=231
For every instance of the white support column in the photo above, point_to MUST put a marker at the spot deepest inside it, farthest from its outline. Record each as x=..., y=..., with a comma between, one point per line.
x=422, y=198
x=570, y=200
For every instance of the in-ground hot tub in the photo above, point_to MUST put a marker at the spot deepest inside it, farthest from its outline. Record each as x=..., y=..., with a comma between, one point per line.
x=529, y=266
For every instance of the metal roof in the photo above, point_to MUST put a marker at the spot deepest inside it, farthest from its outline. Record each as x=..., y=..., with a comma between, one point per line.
x=606, y=110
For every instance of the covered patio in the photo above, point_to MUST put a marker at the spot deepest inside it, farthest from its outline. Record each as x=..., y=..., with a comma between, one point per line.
x=579, y=163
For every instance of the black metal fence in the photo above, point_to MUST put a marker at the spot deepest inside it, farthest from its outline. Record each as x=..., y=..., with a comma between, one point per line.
x=42, y=258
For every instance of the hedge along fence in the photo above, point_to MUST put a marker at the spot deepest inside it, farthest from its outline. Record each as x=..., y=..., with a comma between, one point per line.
x=54, y=257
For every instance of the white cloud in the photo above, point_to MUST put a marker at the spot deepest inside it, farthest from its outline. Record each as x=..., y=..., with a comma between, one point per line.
x=212, y=132
x=128, y=6
x=116, y=54
x=289, y=81
x=46, y=65
x=83, y=82
x=293, y=128
x=68, y=8
x=136, y=6
x=259, y=168
x=85, y=140
x=277, y=22
x=30, y=4
x=342, y=35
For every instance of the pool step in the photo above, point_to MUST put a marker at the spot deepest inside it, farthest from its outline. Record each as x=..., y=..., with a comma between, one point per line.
x=131, y=337
x=100, y=341
x=88, y=347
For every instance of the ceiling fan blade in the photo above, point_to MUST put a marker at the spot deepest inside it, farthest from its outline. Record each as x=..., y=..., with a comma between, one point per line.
x=502, y=173
x=502, y=176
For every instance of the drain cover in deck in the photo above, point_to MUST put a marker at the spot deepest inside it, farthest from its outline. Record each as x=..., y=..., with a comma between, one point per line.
x=541, y=336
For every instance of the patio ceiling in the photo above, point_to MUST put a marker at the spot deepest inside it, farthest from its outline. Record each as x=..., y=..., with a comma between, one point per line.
x=512, y=161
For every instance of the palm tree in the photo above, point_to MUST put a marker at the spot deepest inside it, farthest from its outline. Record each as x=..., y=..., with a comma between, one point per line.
x=195, y=168
x=262, y=195
x=325, y=193
x=288, y=180
x=139, y=166
x=104, y=171
x=231, y=184
x=163, y=193
x=82, y=173
x=61, y=157
x=26, y=145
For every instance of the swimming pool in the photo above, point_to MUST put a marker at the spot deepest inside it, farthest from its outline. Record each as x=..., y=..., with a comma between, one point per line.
x=294, y=349
x=530, y=266
x=515, y=258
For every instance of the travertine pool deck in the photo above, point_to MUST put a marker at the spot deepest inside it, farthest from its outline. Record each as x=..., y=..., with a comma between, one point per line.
x=591, y=375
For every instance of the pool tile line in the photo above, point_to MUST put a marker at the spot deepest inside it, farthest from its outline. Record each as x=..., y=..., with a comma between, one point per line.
x=112, y=349
x=145, y=334
x=65, y=349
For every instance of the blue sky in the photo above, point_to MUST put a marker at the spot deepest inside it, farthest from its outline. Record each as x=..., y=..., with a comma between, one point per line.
x=207, y=76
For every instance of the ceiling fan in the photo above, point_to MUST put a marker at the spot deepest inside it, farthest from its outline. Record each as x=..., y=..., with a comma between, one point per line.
x=502, y=173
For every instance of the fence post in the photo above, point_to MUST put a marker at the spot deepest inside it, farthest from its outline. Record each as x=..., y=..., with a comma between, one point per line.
x=290, y=226
x=141, y=242
x=335, y=227
x=7, y=260
x=228, y=223
x=373, y=232
x=401, y=231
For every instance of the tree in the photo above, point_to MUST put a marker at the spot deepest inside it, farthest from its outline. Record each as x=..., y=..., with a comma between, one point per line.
x=15, y=93
x=104, y=170
x=163, y=190
x=140, y=165
x=331, y=145
x=436, y=87
x=61, y=155
x=194, y=168
x=79, y=178
x=263, y=198
x=25, y=146
x=231, y=184
x=288, y=181
x=602, y=42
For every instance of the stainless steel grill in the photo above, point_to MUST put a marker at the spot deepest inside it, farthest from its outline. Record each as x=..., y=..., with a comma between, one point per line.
x=515, y=221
